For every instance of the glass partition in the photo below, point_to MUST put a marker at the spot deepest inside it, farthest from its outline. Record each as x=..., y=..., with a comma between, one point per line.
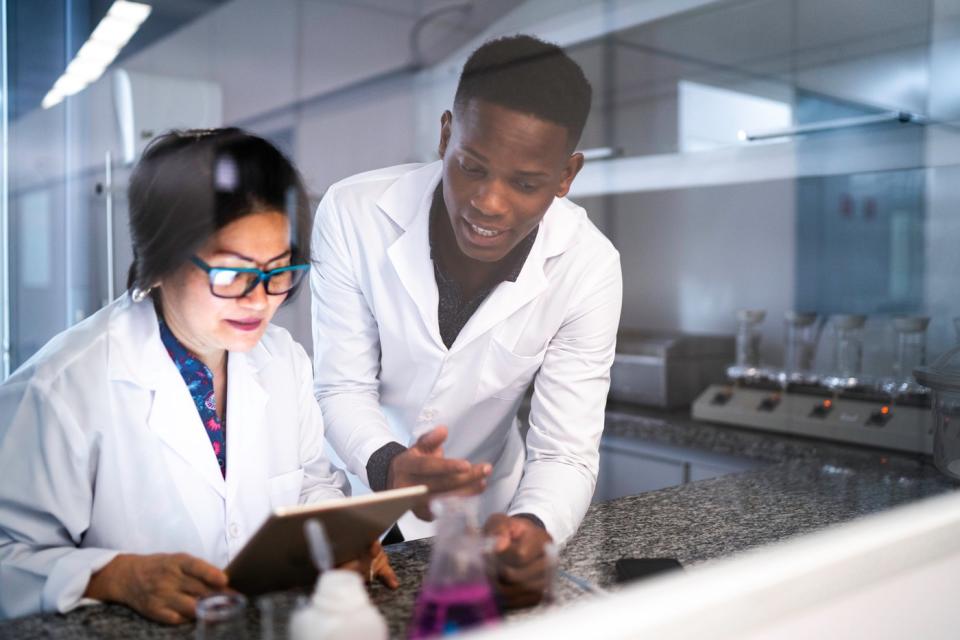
x=797, y=157
x=777, y=154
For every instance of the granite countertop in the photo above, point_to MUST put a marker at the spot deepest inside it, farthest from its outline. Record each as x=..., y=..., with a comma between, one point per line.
x=802, y=485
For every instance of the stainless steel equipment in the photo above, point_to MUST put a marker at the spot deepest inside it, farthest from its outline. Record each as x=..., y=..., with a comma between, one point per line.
x=667, y=369
x=833, y=415
x=842, y=404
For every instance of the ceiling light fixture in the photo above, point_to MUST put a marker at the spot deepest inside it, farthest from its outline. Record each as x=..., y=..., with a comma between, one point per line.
x=110, y=36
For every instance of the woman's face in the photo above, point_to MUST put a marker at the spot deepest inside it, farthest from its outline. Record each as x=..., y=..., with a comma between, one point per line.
x=208, y=325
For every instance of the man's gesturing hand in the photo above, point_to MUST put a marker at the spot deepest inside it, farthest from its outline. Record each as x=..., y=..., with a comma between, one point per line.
x=423, y=463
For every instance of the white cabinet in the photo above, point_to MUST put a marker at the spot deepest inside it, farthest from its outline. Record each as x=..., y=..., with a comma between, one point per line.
x=629, y=466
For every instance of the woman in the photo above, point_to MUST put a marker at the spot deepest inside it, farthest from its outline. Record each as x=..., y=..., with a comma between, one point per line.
x=141, y=448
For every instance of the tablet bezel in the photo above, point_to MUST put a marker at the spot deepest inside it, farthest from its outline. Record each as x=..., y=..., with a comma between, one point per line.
x=277, y=557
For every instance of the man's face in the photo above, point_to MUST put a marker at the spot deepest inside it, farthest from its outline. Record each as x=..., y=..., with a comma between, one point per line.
x=501, y=171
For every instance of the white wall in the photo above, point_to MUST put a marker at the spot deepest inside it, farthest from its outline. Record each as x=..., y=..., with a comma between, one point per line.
x=692, y=257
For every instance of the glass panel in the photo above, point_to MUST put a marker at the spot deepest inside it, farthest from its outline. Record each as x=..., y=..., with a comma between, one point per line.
x=784, y=155
x=333, y=84
x=848, y=209
x=4, y=214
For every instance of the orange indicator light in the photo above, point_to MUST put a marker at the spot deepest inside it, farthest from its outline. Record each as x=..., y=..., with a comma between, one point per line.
x=827, y=404
x=884, y=409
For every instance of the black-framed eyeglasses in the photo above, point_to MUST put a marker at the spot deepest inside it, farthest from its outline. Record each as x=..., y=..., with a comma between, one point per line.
x=237, y=282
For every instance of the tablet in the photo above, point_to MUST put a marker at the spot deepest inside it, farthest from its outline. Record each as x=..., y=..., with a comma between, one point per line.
x=277, y=557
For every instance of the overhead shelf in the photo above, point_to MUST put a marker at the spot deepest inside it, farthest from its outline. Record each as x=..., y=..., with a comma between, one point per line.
x=847, y=152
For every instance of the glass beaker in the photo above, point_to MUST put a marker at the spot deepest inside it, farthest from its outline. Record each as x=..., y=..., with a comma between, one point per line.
x=911, y=347
x=799, y=344
x=221, y=616
x=943, y=378
x=748, y=338
x=456, y=594
x=848, y=346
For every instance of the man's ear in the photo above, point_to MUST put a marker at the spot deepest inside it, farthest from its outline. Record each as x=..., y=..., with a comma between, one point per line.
x=574, y=164
x=446, y=121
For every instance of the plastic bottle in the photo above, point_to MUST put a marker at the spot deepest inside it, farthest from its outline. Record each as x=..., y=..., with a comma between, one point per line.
x=339, y=608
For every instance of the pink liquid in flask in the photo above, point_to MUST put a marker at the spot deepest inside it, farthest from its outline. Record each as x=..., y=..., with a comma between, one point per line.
x=443, y=610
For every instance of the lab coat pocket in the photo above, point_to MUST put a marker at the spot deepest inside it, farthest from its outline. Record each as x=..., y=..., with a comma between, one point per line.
x=504, y=374
x=285, y=489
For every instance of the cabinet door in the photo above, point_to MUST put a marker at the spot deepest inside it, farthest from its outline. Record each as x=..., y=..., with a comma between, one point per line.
x=624, y=472
x=700, y=471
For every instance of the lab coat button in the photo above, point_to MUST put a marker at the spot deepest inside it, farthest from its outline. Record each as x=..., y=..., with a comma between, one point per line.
x=234, y=530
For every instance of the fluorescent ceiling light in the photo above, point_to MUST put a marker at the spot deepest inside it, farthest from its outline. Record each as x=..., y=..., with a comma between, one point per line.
x=85, y=70
x=52, y=98
x=69, y=84
x=98, y=52
x=135, y=12
x=114, y=31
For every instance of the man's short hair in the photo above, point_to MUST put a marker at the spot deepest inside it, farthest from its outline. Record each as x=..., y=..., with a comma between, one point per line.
x=528, y=75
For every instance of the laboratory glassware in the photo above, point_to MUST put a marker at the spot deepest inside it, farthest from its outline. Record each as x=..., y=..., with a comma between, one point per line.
x=456, y=594
x=799, y=345
x=943, y=378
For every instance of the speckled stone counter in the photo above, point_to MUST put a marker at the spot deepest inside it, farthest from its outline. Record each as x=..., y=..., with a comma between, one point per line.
x=801, y=486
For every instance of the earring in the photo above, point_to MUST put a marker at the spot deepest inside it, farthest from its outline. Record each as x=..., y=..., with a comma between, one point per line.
x=139, y=295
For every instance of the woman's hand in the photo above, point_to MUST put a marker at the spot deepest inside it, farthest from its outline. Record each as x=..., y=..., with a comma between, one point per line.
x=374, y=564
x=161, y=587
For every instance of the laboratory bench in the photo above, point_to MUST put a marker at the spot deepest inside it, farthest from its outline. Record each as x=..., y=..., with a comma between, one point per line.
x=717, y=491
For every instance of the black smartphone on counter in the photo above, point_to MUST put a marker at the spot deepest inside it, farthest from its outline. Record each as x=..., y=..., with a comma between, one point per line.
x=630, y=569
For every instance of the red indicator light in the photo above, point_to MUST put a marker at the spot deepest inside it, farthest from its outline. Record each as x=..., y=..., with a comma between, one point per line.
x=827, y=404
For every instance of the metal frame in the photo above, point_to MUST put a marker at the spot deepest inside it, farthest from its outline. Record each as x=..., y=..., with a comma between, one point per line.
x=4, y=200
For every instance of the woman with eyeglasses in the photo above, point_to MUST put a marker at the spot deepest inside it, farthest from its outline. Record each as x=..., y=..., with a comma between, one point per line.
x=140, y=449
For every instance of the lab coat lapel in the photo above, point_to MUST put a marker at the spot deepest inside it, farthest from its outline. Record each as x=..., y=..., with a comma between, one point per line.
x=137, y=355
x=506, y=298
x=246, y=416
x=407, y=202
x=174, y=418
x=557, y=232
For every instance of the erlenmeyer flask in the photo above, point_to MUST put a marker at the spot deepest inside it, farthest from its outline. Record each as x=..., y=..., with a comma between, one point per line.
x=456, y=594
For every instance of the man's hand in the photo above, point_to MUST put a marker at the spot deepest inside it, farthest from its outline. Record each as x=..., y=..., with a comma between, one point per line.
x=374, y=565
x=522, y=567
x=161, y=587
x=423, y=463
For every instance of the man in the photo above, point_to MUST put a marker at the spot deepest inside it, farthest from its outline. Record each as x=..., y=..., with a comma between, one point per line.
x=441, y=291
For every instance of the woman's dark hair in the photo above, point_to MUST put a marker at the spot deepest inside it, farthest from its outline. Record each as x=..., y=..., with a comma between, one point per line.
x=528, y=75
x=190, y=184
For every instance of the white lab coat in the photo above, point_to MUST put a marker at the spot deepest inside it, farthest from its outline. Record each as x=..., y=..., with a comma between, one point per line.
x=383, y=373
x=102, y=451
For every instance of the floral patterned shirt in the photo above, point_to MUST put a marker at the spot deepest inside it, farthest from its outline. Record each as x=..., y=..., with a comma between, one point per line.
x=199, y=382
